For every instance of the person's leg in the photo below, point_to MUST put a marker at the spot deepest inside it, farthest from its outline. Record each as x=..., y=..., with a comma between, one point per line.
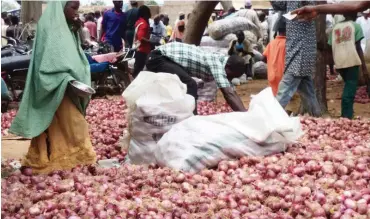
x=129, y=38
x=350, y=77
x=159, y=63
x=287, y=88
x=307, y=92
x=140, y=60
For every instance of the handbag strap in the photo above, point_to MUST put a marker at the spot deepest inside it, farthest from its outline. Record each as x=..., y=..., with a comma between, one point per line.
x=136, y=30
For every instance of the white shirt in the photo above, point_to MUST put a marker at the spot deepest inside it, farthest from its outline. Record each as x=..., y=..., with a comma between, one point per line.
x=4, y=42
x=344, y=50
x=98, y=27
x=265, y=29
x=160, y=31
x=272, y=18
x=365, y=25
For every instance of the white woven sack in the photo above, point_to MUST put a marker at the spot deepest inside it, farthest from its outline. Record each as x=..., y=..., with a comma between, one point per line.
x=202, y=141
x=222, y=51
x=221, y=43
x=155, y=101
x=220, y=28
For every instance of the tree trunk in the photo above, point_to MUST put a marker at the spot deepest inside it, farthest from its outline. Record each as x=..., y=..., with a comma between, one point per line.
x=30, y=14
x=321, y=63
x=226, y=5
x=31, y=11
x=319, y=75
x=198, y=21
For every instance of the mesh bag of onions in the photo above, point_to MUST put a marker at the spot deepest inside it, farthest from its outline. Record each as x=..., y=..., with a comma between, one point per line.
x=260, y=70
x=203, y=141
x=220, y=28
x=156, y=101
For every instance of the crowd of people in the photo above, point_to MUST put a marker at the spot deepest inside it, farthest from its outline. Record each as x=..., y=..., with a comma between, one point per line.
x=9, y=27
x=117, y=28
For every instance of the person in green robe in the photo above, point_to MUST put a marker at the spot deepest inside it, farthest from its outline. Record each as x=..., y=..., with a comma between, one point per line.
x=50, y=113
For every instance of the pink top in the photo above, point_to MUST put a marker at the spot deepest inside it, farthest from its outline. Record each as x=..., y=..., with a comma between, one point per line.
x=110, y=57
x=92, y=28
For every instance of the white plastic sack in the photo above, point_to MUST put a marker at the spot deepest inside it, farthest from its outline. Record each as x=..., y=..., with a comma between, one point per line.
x=257, y=56
x=155, y=101
x=243, y=79
x=221, y=43
x=221, y=28
x=222, y=51
x=131, y=64
x=203, y=141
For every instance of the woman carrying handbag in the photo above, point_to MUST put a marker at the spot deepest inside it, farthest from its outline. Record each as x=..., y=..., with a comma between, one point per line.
x=141, y=39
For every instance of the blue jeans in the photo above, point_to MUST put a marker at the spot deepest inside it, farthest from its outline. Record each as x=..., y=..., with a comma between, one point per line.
x=289, y=84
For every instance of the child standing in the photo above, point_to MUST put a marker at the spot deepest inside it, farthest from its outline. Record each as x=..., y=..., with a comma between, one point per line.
x=345, y=40
x=274, y=56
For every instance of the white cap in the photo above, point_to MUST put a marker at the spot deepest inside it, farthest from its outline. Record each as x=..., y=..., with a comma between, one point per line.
x=248, y=3
x=367, y=11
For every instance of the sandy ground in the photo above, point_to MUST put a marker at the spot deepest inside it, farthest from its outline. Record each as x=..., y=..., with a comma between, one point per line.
x=15, y=148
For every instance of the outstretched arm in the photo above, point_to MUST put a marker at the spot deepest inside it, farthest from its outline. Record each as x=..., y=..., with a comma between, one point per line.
x=310, y=12
x=233, y=99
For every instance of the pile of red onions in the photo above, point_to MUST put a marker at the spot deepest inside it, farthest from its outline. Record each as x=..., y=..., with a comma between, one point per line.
x=211, y=108
x=325, y=175
x=329, y=76
x=107, y=121
x=362, y=96
x=6, y=121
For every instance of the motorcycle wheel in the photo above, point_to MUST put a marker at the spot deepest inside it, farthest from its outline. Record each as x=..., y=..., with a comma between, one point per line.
x=122, y=76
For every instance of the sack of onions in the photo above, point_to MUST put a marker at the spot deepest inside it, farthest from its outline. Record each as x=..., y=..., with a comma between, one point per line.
x=202, y=142
x=156, y=102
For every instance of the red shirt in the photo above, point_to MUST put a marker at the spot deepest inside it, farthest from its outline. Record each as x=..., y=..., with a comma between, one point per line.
x=92, y=28
x=143, y=31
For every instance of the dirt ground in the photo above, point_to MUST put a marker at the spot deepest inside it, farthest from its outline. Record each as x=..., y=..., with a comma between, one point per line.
x=16, y=149
x=334, y=92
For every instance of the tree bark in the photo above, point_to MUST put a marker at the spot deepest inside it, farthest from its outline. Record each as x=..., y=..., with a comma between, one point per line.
x=30, y=14
x=31, y=11
x=321, y=63
x=226, y=5
x=198, y=21
x=319, y=75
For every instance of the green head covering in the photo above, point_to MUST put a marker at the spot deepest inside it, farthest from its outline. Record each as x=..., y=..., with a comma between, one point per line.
x=57, y=58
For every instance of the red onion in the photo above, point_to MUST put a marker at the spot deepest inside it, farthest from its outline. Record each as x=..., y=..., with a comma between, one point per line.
x=327, y=173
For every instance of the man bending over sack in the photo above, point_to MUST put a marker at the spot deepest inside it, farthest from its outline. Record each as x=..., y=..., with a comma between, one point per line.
x=187, y=61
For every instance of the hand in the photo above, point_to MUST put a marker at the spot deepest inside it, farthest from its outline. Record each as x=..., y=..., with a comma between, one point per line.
x=306, y=13
x=76, y=25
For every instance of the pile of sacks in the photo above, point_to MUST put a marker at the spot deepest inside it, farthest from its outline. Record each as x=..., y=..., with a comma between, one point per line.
x=222, y=32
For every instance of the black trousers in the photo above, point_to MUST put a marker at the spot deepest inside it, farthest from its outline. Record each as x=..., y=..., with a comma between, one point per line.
x=140, y=60
x=159, y=63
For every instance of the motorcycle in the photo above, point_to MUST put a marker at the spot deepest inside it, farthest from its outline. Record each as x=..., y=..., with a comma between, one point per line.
x=14, y=73
x=110, y=77
x=14, y=48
